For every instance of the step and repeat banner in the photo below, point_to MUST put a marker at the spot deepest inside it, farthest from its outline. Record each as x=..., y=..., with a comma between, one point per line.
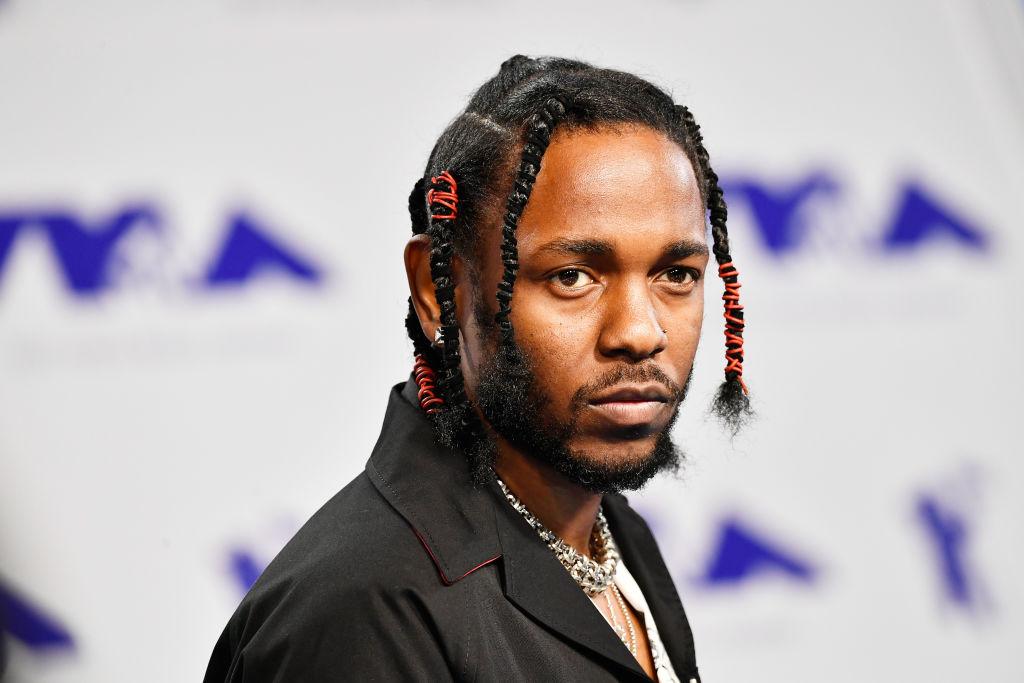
x=202, y=213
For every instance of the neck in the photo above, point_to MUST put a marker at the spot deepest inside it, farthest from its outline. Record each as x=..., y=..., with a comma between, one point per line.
x=564, y=507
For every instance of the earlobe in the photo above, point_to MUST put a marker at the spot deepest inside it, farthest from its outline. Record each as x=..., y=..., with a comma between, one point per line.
x=421, y=284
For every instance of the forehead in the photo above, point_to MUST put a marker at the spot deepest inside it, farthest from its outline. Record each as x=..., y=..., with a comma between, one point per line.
x=628, y=185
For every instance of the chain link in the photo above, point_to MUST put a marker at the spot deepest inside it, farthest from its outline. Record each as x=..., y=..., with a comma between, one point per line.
x=593, y=576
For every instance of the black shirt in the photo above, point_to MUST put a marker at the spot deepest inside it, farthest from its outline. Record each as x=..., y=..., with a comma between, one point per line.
x=412, y=573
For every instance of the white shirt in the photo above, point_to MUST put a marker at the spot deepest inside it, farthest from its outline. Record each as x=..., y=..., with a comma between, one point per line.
x=627, y=585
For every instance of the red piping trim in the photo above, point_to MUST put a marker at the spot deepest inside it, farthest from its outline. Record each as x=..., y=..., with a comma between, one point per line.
x=437, y=563
x=482, y=564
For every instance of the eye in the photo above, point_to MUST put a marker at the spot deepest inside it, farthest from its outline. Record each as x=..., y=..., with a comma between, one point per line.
x=680, y=276
x=572, y=278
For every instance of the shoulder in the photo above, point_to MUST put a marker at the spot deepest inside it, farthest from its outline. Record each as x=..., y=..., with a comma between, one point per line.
x=353, y=544
x=354, y=570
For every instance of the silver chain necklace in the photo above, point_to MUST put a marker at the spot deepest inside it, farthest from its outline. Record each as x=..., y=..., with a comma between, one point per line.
x=619, y=631
x=591, y=575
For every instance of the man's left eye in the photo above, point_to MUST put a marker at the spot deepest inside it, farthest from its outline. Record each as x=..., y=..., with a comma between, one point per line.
x=572, y=278
x=679, y=276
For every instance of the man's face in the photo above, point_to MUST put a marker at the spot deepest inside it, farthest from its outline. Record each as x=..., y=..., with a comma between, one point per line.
x=607, y=307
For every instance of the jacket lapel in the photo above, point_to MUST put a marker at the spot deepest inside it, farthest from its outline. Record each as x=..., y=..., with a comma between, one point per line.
x=640, y=553
x=539, y=585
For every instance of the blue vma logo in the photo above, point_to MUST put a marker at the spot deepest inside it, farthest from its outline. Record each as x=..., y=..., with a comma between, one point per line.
x=780, y=212
x=88, y=253
x=740, y=554
x=30, y=625
x=244, y=568
x=947, y=525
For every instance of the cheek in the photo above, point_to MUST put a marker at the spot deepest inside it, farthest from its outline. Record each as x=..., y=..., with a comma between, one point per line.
x=690, y=317
x=684, y=323
x=560, y=340
x=477, y=345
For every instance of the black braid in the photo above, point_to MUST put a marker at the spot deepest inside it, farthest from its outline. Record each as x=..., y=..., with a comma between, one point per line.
x=457, y=424
x=731, y=401
x=538, y=135
x=442, y=248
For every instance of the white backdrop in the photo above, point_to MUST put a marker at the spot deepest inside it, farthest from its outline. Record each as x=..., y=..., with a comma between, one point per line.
x=202, y=210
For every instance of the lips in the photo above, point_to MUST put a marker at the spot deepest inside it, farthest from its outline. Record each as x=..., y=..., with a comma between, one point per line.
x=634, y=393
x=631, y=405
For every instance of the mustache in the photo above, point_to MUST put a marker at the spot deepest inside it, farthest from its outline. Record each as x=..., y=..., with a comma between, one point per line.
x=639, y=374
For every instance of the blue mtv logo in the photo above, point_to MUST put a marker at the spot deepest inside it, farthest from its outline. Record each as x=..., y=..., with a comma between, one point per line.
x=781, y=214
x=89, y=253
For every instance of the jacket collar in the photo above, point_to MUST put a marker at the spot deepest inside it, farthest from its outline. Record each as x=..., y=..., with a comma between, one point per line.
x=464, y=527
x=432, y=489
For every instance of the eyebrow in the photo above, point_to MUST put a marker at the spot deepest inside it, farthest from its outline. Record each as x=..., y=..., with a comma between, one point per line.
x=686, y=248
x=571, y=247
x=584, y=247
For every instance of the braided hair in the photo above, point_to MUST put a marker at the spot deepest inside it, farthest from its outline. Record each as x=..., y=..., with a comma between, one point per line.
x=502, y=135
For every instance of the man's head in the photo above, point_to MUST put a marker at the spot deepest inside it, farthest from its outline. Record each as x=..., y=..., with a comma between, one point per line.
x=606, y=249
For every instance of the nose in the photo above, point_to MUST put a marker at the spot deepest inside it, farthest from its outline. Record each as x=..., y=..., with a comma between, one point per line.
x=630, y=329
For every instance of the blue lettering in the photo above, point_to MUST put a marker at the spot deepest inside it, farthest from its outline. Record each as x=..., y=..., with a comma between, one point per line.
x=29, y=624
x=920, y=218
x=245, y=569
x=777, y=210
x=740, y=555
x=948, y=534
x=248, y=250
x=84, y=253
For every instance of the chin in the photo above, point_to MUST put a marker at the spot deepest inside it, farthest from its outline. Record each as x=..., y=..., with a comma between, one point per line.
x=611, y=467
x=614, y=454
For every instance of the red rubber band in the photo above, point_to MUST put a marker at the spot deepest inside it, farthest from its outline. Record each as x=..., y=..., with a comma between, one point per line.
x=446, y=199
x=733, y=324
x=426, y=379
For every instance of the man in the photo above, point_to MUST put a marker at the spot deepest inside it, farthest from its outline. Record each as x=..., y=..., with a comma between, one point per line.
x=557, y=272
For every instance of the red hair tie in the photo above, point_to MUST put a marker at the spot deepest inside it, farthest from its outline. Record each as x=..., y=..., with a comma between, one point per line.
x=733, y=323
x=447, y=199
x=426, y=379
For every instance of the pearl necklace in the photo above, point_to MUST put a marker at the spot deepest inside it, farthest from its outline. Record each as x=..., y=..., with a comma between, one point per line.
x=592, y=576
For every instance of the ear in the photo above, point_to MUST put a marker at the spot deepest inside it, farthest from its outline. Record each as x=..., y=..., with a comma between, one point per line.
x=421, y=284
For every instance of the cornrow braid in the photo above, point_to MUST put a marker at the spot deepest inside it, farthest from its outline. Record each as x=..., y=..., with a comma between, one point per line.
x=433, y=209
x=442, y=199
x=731, y=402
x=538, y=136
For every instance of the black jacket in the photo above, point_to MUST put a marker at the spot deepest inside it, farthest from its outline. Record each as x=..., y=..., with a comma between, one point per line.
x=411, y=573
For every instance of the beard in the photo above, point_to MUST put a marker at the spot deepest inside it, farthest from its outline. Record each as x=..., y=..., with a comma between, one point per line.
x=518, y=408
